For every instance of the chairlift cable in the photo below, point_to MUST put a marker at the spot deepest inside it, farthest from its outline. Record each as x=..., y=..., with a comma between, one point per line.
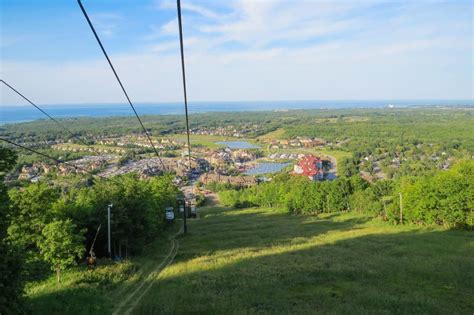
x=46, y=114
x=184, y=82
x=118, y=80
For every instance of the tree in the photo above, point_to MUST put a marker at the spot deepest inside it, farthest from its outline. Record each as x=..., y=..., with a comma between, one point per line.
x=347, y=167
x=61, y=245
x=31, y=211
x=11, y=285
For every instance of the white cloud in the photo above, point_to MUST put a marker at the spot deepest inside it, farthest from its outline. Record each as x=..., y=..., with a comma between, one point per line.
x=164, y=47
x=186, y=6
x=200, y=10
x=170, y=28
x=275, y=50
x=106, y=23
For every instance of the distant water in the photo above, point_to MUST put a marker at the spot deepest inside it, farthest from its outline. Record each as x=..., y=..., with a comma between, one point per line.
x=12, y=114
x=266, y=168
x=238, y=145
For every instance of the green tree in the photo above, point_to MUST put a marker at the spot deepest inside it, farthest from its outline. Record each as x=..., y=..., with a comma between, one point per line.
x=11, y=284
x=347, y=167
x=31, y=211
x=61, y=245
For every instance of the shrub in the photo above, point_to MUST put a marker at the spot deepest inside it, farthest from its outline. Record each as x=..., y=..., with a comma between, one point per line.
x=229, y=198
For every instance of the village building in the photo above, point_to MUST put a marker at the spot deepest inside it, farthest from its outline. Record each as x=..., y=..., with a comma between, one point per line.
x=33, y=171
x=240, y=181
x=311, y=167
x=242, y=156
x=219, y=159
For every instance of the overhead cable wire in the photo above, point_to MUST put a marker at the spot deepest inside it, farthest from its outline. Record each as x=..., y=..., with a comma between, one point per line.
x=46, y=114
x=184, y=81
x=59, y=161
x=118, y=80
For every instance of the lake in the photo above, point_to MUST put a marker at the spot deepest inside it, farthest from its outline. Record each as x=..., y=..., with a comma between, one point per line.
x=238, y=145
x=20, y=113
x=266, y=168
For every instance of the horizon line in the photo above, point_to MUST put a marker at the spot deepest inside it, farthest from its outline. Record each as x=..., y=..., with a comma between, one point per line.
x=259, y=101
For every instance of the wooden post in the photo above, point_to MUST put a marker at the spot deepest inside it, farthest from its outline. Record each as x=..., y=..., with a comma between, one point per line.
x=401, y=209
x=327, y=203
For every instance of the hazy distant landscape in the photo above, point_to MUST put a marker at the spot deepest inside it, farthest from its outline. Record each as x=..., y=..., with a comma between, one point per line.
x=20, y=113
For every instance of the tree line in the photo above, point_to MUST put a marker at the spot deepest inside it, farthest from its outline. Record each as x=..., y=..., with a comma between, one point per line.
x=445, y=198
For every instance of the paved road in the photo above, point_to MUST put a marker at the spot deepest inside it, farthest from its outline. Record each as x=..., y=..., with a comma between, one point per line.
x=189, y=189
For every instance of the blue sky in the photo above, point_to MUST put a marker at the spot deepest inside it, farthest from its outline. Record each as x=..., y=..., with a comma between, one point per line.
x=238, y=50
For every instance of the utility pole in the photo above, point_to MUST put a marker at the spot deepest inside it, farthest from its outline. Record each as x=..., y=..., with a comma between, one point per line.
x=181, y=45
x=182, y=208
x=109, y=247
x=184, y=217
x=401, y=208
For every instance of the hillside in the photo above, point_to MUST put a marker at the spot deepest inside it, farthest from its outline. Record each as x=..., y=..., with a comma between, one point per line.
x=267, y=261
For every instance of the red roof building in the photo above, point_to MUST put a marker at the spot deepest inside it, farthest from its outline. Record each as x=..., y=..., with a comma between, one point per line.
x=310, y=166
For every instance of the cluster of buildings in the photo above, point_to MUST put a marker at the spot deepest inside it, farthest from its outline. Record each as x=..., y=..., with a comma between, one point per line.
x=150, y=167
x=239, y=181
x=384, y=165
x=146, y=168
x=42, y=143
x=140, y=141
x=80, y=148
x=298, y=142
x=242, y=156
x=81, y=166
x=34, y=171
x=86, y=164
x=228, y=131
x=120, y=145
x=286, y=156
x=221, y=159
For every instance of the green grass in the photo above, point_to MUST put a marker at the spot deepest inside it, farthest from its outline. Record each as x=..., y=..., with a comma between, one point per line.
x=273, y=135
x=267, y=261
x=82, y=291
x=337, y=154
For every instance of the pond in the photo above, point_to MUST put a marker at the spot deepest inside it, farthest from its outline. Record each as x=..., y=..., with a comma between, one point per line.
x=238, y=145
x=266, y=168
